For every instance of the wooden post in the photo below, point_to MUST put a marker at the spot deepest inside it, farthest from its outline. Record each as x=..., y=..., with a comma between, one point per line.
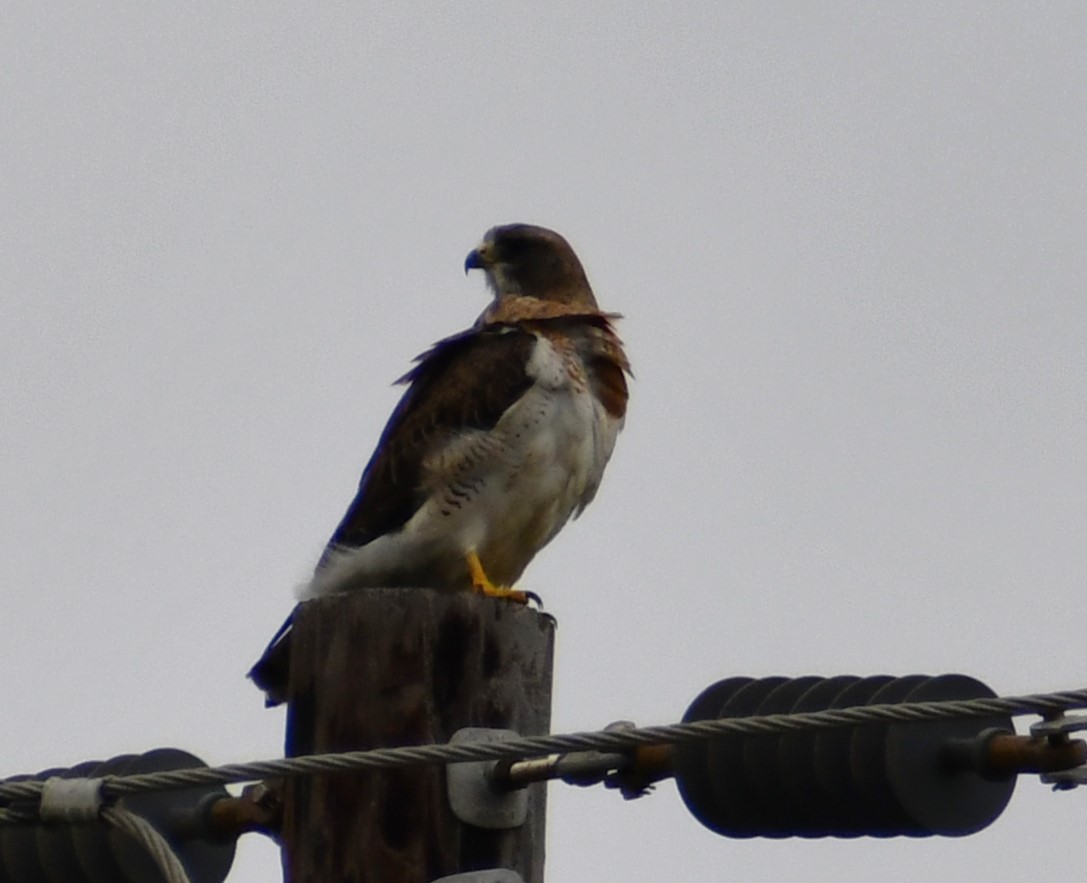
x=379, y=668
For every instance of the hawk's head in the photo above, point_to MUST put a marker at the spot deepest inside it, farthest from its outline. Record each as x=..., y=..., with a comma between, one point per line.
x=529, y=261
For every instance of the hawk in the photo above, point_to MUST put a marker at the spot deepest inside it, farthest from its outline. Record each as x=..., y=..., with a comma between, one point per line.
x=501, y=437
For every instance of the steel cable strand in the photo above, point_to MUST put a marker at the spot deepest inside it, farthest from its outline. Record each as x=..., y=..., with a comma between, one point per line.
x=537, y=746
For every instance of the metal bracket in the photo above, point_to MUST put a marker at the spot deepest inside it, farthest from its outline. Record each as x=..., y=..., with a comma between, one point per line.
x=1060, y=725
x=1056, y=730
x=1066, y=780
x=498, y=875
x=474, y=798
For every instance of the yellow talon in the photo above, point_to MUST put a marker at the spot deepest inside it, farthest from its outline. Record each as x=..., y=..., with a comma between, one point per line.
x=482, y=583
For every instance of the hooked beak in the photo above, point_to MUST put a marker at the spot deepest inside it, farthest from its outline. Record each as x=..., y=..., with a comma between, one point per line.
x=479, y=258
x=474, y=261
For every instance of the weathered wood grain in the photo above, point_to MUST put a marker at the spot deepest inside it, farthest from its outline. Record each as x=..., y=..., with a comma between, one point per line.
x=387, y=667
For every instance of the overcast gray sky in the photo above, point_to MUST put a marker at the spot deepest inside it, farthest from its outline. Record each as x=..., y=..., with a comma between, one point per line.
x=849, y=243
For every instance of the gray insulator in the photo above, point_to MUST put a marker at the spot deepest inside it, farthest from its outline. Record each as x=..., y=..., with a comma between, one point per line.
x=875, y=779
x=94, y=853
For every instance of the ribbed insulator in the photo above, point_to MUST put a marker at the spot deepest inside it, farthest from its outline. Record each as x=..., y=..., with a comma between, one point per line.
x=880, y=780
x=93, y=853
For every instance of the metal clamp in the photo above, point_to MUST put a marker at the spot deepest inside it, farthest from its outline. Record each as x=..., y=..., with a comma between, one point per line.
x=632, y=772
x=1059, y=725
x=1055, y=730
x=473, y=795
x=75, y=801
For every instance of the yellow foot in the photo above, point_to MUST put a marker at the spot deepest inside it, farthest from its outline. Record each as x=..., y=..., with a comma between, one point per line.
x=482, y=583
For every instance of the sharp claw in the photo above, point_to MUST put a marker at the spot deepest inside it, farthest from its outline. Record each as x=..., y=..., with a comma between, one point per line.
x=481, y=583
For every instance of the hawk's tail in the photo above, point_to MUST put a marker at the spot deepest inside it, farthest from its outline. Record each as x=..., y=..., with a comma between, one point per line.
x=272, y=670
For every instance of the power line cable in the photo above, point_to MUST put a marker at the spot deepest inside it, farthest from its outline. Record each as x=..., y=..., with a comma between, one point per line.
x=537, y=746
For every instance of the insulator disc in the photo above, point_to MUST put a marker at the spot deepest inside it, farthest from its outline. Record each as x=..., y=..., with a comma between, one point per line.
x=205, y=861
x=56, y=849
x=873, y=796
x=759, y=761
x=91, y=841
x=690, y=761
x=937, y=798
x=19, y=848
x=831, y=759
x=733, y=794
x=796, y=761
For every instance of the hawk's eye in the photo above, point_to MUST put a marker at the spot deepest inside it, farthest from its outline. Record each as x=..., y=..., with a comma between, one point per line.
x=517, y=248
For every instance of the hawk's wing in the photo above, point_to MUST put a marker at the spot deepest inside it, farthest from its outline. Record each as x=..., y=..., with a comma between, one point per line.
x=464, y=382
